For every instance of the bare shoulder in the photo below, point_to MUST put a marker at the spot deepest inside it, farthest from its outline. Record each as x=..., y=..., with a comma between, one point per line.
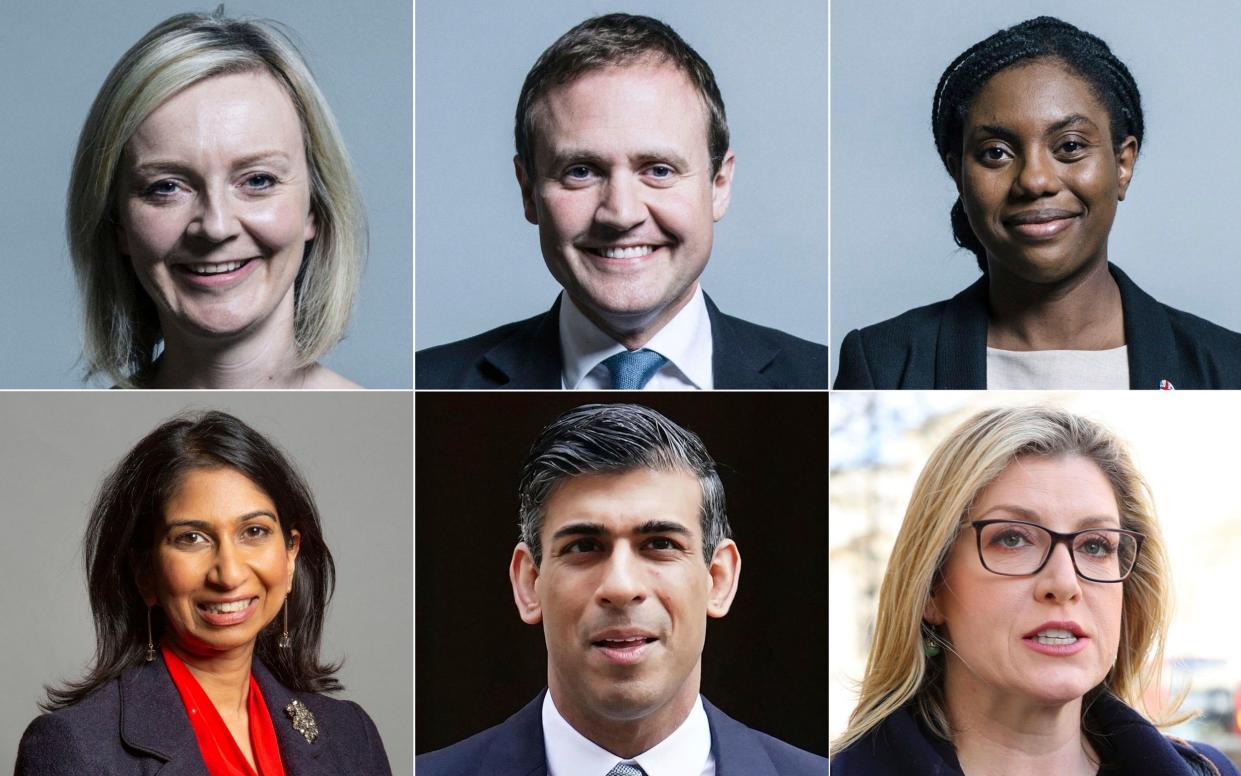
x=320, y=377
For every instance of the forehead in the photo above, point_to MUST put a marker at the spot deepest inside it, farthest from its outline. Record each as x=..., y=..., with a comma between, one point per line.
x=215, y=494
x=1058, y=492
x=1038, y=92
x=224, y=116
x=624, y=109
x=620, y=502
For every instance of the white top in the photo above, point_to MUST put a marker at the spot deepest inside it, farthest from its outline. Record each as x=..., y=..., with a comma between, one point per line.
x=685, y=341
x=1058, y=369
x=687, y=752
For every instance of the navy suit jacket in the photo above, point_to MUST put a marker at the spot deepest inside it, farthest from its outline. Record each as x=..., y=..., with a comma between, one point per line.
x=515, y=748
x=136, y=725
x=944, y=345
x=526, y=354
x=1128, y=744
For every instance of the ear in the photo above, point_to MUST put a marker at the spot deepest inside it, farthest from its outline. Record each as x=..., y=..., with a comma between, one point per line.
x=1125, y=159
x=312, y=226
x=722, y=186
x=524, y=576
x=954, y=169
x=526, y=184
x=931, y=612
x=725, y=572
x=293, y=545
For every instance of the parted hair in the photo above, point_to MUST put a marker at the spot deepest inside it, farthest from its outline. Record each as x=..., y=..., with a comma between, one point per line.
x=1042, y=38
x=122, y=329
x=120, y=542
x=617, y=40
x=898, y=673
x=615, y=438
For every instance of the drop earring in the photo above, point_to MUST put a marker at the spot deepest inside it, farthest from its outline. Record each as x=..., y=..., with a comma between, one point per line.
x=150, y=656
x=285, y=642
x=931, y=647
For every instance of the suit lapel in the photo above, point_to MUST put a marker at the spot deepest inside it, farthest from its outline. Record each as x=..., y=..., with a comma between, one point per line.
x=737, y=359
x=736, y=748
x=530, y=356
x=300, y=757
x=961, y=348
x=1151, y=347
x=519, y=750
x=153, y=720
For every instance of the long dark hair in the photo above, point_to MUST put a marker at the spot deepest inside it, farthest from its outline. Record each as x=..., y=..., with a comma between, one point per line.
x=120, y=536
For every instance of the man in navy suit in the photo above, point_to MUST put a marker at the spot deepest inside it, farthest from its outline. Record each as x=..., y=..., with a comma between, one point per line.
x=624, y=164
x=625, y=553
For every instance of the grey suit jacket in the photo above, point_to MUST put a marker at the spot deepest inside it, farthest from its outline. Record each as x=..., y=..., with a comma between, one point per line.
x=136, y=725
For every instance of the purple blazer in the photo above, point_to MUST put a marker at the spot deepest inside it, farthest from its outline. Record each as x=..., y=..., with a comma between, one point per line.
x=136, y=725
x=515, y=748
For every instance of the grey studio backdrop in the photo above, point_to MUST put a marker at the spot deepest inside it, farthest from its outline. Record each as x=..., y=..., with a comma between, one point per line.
x=1174, y=234
x=355, y=451
x=479, y=263
x=54, y=55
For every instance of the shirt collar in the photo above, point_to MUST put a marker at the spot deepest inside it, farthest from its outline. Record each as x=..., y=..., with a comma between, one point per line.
x=686, y=751
x=685, y=341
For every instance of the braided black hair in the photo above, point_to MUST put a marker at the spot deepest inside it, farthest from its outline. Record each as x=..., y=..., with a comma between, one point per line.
x=1044, y=37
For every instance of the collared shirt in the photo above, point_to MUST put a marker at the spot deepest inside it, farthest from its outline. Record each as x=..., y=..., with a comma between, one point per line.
x=685, y=341
x=684, y=753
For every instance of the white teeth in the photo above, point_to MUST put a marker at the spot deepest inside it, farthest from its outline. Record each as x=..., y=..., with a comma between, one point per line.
x=1060, y=632
x=626, y=641
x=1055, y=637
x=635, y=252
x=228, y=608
x=215, y=269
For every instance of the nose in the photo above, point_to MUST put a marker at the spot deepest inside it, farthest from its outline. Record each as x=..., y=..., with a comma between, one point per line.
x=1037, y=175
x=215, y=220
x=228, y=571
x=621, y=584
x=622, y=206
x=1058, y=581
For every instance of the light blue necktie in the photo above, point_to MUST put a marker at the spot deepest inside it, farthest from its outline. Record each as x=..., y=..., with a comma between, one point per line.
x=633, y=369
x=627, y=769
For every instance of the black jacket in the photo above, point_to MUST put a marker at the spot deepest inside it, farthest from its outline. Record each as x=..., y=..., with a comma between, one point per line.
x=526, y=354
x=515, y=748
x=136, y=725
x=1130, y=746
x=944, y=345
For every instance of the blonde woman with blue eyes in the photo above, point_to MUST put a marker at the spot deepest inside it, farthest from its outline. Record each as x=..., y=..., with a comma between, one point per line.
x=213, y=217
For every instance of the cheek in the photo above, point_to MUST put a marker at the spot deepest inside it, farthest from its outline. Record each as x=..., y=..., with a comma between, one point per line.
x=151, y=231
x=278, y=223
x=564, y=214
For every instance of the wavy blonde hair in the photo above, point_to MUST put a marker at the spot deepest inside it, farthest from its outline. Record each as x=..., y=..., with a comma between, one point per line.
x=122, y=330
x=974, y=454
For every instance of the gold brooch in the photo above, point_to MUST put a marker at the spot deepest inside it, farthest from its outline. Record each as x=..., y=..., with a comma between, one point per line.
x=303, y=721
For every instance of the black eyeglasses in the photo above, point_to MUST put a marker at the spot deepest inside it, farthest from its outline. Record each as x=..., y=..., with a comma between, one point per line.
x=1015, y=548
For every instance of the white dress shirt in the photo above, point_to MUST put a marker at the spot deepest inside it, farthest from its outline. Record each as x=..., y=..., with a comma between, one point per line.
x=687, y=752
x=685, y=341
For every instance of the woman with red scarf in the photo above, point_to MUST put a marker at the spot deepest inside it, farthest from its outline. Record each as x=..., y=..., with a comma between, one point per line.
x=208, y=578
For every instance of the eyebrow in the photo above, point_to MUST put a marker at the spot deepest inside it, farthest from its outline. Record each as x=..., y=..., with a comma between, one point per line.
x=156, y=166
x=597, y=529
x=203, y=525
x=1089, y=521
x=1010, y=135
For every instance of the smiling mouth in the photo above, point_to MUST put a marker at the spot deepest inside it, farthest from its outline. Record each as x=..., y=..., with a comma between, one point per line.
x=229, y=607
x=627, y=252
x=206, y=269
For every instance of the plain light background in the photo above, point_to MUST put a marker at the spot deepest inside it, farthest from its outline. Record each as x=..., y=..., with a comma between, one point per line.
x=354, y=449
x=479, y=263
x=54, y=56
x=892, y=246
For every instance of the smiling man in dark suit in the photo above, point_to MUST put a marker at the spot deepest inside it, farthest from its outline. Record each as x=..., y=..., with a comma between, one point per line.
x=624, y=164
x=625, y=553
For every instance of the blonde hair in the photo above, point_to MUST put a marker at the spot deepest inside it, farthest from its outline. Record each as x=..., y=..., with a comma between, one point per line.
x=122, y=329
x=974, y=454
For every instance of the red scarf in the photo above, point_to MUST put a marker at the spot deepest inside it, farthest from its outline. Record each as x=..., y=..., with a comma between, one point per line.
x=220, y=751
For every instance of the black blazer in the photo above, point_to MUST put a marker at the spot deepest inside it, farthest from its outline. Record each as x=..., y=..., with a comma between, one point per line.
x=944, y=345
x=526, y=354
x=136, y=725
x=515, y=748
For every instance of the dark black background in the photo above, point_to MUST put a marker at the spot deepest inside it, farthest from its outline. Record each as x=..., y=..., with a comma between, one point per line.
x=476, y=662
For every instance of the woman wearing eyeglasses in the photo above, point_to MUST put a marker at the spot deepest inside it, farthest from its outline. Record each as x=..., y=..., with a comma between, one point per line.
x=1022, y=615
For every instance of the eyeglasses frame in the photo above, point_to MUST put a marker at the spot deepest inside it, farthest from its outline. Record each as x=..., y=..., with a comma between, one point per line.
x=1057, y=538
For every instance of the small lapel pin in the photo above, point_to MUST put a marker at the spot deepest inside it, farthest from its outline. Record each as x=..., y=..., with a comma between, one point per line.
x=303, y=721
x=1165, y=385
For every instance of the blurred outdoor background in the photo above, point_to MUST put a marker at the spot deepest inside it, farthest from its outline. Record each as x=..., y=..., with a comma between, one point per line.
x=1186, y=444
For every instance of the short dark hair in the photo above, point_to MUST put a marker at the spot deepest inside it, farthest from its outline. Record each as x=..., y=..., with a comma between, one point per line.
x=120, y=537
x=617, y=40
x=1045, y=37
x=614, y=438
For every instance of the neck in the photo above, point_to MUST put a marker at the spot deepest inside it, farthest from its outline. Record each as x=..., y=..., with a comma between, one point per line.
x=634, y=330
x=225, y=677
x=264, y=356
x=627, y=736
x=1080, y=312
x=996, y=734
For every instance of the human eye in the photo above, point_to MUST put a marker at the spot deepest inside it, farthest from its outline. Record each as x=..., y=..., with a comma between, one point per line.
x=581, y=547
x=1010, y=537
x=162, y=189
x=1096, y=545
x=993, y=154
x=1072, y=147
x=255, y=532
x=189, y=539
x=663, y=543
x=260, y=180
x=579, y=173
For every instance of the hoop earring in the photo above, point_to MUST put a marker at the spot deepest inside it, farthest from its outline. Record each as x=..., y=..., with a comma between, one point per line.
x=285, y=642
x=150, y=656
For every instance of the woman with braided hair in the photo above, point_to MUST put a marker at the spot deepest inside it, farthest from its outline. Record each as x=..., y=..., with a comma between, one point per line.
x=1040, y=126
